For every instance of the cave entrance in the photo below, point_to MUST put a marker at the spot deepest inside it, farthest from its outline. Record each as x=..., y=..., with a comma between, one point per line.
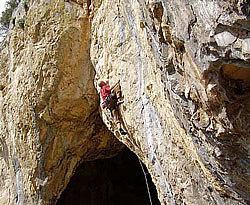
x=115, y=181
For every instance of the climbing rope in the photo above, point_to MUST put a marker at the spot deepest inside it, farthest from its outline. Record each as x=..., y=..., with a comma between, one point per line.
x=145, y=175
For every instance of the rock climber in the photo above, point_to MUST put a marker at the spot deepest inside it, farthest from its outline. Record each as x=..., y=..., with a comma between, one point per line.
x=111, y=99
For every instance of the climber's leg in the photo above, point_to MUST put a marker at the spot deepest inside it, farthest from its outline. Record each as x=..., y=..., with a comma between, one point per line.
x=118, y=91
x=111, y=113
x=118, y=94
x=115, y=113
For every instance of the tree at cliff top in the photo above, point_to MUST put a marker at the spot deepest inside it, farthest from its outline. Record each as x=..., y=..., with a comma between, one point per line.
x=6, y=16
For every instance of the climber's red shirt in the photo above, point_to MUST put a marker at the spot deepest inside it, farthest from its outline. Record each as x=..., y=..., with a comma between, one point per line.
x=105, y=90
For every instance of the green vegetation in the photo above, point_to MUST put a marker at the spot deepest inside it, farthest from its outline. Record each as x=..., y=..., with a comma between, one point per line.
x=21, y=22
x=7, y=14
x=25, y=5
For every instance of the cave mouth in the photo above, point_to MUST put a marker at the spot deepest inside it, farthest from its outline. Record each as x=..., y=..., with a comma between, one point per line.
x=114, y=181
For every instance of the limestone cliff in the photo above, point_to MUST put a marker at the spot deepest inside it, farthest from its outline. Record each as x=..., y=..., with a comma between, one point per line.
x=49, y=106
x=185, y=76
x=184, y=72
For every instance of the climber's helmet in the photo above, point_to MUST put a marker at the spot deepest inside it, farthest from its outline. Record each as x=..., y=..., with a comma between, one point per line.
x=101, y=83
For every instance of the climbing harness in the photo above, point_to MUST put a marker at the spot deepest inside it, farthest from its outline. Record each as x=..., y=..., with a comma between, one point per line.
x=146, y=180
x=110, y=103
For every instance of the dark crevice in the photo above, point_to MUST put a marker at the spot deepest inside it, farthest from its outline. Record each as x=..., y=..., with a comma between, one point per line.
x=115, y=181
x=235, y=78
x=158, y=11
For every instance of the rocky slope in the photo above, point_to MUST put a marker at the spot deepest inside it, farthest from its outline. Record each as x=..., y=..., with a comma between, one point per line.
x=184, y=70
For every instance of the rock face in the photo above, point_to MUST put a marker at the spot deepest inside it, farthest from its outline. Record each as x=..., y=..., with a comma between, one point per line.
x=49, y=106
x=184, y=70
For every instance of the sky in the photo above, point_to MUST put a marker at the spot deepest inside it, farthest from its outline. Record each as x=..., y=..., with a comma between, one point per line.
x=2, y=4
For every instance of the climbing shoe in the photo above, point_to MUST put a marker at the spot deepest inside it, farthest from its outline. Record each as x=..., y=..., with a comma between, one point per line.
x=122, y=131
x=119, y=102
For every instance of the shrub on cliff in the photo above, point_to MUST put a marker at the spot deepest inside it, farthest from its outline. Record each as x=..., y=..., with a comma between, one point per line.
x=7, y=14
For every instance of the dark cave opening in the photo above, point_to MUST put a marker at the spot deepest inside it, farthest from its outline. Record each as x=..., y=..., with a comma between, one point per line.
x=114, y=181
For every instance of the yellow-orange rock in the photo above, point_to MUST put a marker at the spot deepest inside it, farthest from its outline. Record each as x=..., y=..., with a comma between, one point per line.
x=183, y=69
x=49, y=106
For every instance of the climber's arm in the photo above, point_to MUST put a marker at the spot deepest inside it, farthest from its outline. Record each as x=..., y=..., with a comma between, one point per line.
x=115, y=85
